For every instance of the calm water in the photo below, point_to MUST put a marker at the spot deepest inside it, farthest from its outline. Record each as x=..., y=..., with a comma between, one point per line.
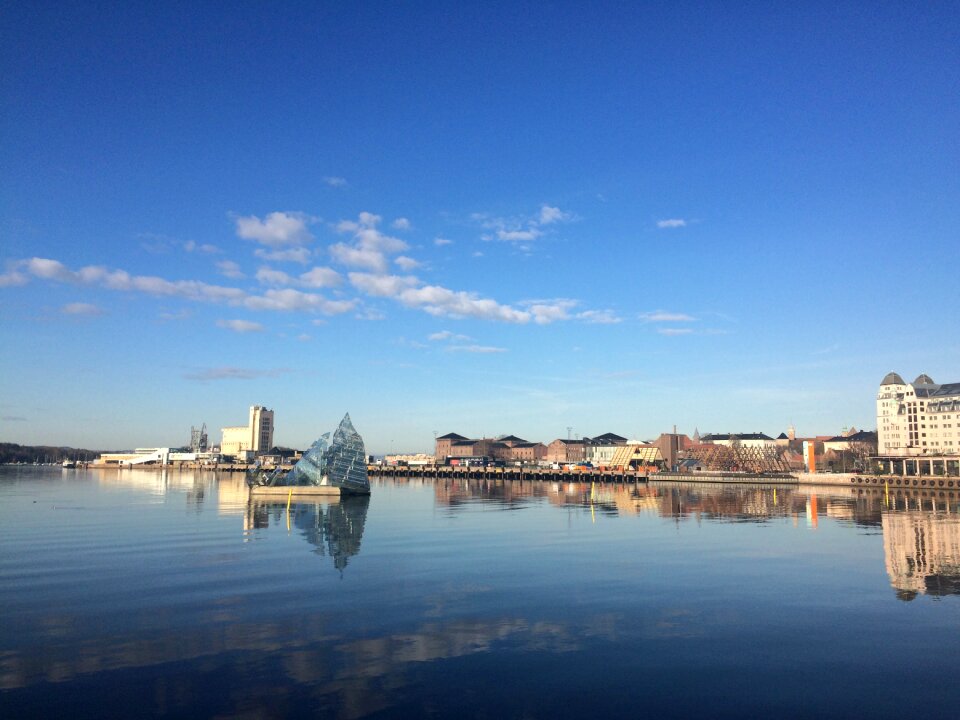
x=142, y=595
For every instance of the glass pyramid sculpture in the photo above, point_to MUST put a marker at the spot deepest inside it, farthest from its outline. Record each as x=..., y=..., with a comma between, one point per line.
x=340, y=462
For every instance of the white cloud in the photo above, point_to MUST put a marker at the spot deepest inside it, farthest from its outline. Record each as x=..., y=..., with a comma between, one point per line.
x=334, y=181
x=382, y=285
x=442, y=301
x=519, y=235
x=401, y=223
x=240, y=326
x=444, y=335
x=230, y=269
x=49, y=269
x=233, y=373
x=298, y=255
x=521, y=229
x=321, y=277
x=598, y=317
x=482, y=349
x=269, y=276
x=671, y=223
x=440, y=242
x=291, y=300
x=190, y=246
x=406, y=263
x=674, y=331
x=80, y=308
x=288, y=299
x=13, y=279
x=359, y=257
x=664, y=316
x=550, y=215
x=304, y=337
x=276, y=230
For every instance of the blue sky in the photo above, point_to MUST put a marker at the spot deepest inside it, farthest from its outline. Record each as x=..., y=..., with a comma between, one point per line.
x=476, y=217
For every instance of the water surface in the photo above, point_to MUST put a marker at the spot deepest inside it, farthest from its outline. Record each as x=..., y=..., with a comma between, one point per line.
x=148, y=594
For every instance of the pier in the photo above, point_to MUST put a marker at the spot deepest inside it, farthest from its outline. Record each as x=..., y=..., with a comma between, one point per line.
x=507, y=473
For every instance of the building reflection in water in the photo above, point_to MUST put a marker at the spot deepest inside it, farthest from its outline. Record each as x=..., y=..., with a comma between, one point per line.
x=334, y=527
x=922, y=553
x=921, y=528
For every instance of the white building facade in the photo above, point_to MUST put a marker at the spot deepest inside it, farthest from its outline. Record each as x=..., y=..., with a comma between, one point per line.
x=255, y=438
x=918, y=418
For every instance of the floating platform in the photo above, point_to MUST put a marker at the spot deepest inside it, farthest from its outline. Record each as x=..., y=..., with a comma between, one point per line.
x=297, y=491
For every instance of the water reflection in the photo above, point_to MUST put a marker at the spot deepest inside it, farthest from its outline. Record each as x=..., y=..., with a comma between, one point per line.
x=334, y=527
x=921, y=528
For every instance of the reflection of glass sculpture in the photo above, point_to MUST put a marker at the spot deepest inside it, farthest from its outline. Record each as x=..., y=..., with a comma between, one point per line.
x=333, y=527
x=340, y=466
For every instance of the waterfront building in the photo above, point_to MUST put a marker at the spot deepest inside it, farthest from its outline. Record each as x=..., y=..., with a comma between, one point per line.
x=410, y=459
x=753, y=440
x=507, y=448
x=918, y=418
x=254, y=438
x=852, y=440
x=564, y=450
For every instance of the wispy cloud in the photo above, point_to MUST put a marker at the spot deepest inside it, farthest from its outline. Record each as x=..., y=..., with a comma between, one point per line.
x=277, y=229
x=82, y=308
x=523, y=229
x=599, y=317
x=205, y=248
x=550, y=215
x=406, y=263
x=671, y=223
x=334, y=181
x=233, y=373
x=675, y=331
x=13, y=278
x=297, y=255
x=369, y=248
x=321, y=277
x=658, y=316
x=240, y=326
x=479, y=349
x=286, y=299
x=448, y=335
x=440, y=242
x=401, y=223
x=230, y=269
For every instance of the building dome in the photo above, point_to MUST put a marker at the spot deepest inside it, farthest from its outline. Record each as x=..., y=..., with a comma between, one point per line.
x=924, y=379
x=892, y=379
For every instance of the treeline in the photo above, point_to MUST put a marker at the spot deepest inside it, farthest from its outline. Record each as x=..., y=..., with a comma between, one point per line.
x=13, y=453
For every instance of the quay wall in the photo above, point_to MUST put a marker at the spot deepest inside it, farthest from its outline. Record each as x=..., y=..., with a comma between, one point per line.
x=922, y=482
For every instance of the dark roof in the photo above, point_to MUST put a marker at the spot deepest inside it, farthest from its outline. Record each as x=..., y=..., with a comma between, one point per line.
x=451, y=436
x=782, y=436
x=565, y=441
x=892, y=378
x=924, y=379
x=946, y=389
x=525, y=444
x=609, y=437
x=511, y=438
x=862, y=436
x=738, y=436
x=461, y=443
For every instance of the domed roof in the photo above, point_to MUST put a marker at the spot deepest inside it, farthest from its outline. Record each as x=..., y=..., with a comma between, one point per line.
x=924, y=379
x=892, y=379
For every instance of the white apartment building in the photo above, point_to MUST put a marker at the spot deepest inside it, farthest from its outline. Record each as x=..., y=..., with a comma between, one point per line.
x=918, y=418
x=254, y=438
